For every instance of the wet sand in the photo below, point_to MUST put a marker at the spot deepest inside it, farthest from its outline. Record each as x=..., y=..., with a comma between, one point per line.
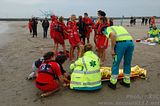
x=17, y=55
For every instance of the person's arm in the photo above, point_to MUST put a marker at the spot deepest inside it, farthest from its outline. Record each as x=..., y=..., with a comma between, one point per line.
x=148, y=34
x=77, y=63
x=57, y=70
x=113, y=43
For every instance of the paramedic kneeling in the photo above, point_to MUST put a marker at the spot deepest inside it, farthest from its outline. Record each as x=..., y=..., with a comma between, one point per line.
x=86, y=71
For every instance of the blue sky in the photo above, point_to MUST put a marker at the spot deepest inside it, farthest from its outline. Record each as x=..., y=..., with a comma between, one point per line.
x=28, y=8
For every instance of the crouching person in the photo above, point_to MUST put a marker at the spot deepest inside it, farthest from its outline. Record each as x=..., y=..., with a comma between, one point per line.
x=86, y=71
x=49, y=76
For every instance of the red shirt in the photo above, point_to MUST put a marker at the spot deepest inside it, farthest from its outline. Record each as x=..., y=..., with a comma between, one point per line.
x=30, y=25
x=52, y=25
x=45, y=76
x=89, y=23
x=100, y=26
x=73, y=33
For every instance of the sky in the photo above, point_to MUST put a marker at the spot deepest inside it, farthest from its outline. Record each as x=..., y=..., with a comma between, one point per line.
x=113, y=8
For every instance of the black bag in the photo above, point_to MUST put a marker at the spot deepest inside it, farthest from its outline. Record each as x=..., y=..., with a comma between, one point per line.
x=57, y=28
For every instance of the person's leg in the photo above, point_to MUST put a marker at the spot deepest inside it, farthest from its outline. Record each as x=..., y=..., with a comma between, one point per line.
x=44, y=33
x=36, y=32
x=127, y=62
x=71, y=53
x=64, y=49
x=33, y=33
x=100, y=55
x=120, y=50
x=30, y=31
x=103, y=55
x=56, y=48
x=51, y=88
x=88, y=39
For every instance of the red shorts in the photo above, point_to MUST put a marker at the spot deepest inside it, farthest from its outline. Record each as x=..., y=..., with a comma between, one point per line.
x=58, y=37
x=47, y=87
x=100, y=42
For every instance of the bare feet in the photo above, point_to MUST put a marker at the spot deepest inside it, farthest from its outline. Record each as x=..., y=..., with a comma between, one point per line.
x=49, y=93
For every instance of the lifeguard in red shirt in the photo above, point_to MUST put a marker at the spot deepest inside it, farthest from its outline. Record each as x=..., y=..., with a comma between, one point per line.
x=49, y=75
x=52, y=24
x=89, y=23
x=102, y=41
x=30, y=26
x=73, y=36
x=59, y=34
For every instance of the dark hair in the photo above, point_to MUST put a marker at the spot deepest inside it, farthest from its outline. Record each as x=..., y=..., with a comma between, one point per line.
x=61, y=58
x=48, y=55
x=101, y=13
x=87, y=47
x=80, y=17
x=86, y=14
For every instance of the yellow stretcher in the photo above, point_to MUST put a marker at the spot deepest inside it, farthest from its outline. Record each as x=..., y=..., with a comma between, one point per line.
x=136, y=71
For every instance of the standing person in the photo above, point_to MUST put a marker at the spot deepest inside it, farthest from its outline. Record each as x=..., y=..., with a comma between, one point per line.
x=134, y=20
x=131, y=21
x=143, y=19
x=122, y=20
x=59, y=34
x=49, y=76
x=82, y=29
x=100, y=14
x=30, y=26
x=86, y=74
x=45, y=25
x=149, y=20
x=89, y=24
x=73, y=36
x=146, y=21
x=52, y=29
x=34, y=26
x=102, y=41
x=121, y=46
x=152, y=21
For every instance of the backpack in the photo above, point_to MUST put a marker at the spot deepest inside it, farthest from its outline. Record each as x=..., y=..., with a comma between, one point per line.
x=57, y=28
x=46, y=68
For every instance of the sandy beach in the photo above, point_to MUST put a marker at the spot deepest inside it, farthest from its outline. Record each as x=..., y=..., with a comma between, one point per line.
x=18, y=50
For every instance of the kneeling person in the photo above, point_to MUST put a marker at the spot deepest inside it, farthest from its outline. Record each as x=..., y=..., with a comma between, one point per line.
x=86, y=71
x=48, y=77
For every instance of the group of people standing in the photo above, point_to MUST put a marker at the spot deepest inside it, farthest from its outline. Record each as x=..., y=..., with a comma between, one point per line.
x=146, y=20
x=32, y=25
x=77, y=32
x=86, y=69
x=133, y=21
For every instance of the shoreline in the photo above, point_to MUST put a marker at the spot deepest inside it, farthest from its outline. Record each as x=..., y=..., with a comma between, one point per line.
x=40, y=18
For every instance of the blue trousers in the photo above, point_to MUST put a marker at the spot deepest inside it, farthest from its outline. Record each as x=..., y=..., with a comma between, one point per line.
x=123, y=49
